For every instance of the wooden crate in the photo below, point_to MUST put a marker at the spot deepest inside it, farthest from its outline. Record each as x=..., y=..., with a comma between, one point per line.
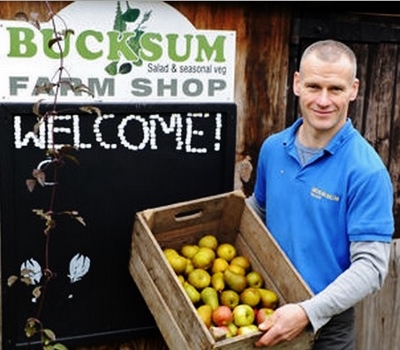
x=229, y=218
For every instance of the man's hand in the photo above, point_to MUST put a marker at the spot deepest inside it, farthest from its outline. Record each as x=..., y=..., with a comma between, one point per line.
x=286, y=323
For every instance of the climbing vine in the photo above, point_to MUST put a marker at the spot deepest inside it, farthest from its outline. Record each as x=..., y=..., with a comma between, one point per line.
x=46, y=174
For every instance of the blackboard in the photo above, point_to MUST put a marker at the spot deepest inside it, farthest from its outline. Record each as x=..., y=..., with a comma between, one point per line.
x=131, y=157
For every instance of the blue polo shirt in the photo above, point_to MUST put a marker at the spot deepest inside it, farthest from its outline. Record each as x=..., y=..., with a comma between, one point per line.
x=343, y=194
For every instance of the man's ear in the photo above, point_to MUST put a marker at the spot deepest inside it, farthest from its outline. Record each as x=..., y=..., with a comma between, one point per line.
x=296, y=83
x=354, y=91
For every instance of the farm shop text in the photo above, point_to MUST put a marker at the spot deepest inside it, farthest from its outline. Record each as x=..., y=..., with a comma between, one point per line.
x=140, y=87
x=189, y=132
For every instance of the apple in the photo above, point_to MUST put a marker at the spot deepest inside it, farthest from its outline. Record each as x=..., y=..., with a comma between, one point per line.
x=243, y=315
x=263, y=314
x=251, y=328
x=222, y=315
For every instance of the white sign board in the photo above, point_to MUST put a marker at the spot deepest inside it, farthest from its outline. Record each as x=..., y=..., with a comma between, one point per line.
x=122, y=51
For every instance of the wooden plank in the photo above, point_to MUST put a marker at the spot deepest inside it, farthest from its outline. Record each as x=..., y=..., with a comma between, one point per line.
x=380, y=99
x=378, y=315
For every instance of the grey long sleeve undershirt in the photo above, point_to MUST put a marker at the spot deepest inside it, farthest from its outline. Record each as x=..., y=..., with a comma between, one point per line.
x=366, y=274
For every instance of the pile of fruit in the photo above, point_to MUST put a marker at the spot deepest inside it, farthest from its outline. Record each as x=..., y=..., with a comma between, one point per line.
x=229, y=295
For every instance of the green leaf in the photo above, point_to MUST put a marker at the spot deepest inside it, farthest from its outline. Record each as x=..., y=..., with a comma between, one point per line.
x=112, y=68
x=125, y=68
x=131, y=15
x=48, y=336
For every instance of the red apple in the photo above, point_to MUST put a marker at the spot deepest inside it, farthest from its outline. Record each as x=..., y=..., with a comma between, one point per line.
x=263, y=314
x=222, y=315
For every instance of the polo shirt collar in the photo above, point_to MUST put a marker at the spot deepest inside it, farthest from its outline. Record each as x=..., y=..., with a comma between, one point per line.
x=341, y=136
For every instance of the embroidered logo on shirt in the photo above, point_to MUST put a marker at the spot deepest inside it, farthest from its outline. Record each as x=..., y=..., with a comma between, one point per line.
x=319, y=194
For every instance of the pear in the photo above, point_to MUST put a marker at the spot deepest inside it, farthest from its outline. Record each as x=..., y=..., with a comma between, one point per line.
x=217, y=281
x=170, y=251
x=199, y=278
x=236, y=282
x=205, y=312
x=254, y=279
x=219, y=265
x=181, y=279
x=189, y=267
x=208, y=241
x=192, y=292
x=209, y=296
x=250, y=296
x=204, y=258
x=189, y=250
x=242, y=261
x=229, y=298
x=226, y=251
x=237, y=269
x=269, y=298
x=177, y=262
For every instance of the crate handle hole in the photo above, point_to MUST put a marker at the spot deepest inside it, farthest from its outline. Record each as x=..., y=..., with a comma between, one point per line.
x=189, y=215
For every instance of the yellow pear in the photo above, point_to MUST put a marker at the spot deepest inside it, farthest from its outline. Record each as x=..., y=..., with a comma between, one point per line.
x=269, y=298
x=192, y=292
x=237, y=269
x=204, y=258
x=219, y=265
x=177, y=262
x=210, y=296
x=241, y=261
x=205, y=313
x=250, y=296
x=170, y=251
x=208, y=241
x=229, y=298
x=181, y=279
x=189, y=267
x=234, y=281
x=199, y=278
x=189, y=250
x=217, y=281
x=254, y=279
x=226, y=251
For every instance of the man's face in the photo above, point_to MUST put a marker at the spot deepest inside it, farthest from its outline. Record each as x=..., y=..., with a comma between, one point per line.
x=325, y=90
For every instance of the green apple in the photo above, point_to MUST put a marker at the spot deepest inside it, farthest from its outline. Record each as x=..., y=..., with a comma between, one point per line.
x=251, y=328
x=243, y=315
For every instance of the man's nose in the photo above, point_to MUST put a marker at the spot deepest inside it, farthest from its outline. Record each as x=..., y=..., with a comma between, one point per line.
x=323, y=98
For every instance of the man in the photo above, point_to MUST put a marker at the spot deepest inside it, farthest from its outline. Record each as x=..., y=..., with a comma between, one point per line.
x=327, y=198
